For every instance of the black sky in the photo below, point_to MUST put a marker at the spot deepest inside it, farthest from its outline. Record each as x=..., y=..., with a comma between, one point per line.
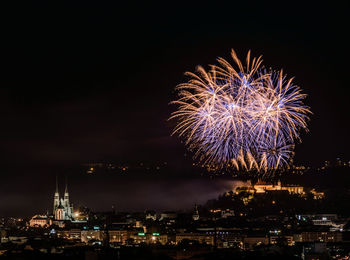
x=92, y=82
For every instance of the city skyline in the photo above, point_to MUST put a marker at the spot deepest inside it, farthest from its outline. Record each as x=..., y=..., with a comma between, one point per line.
x=145, y=130
x=93, y=86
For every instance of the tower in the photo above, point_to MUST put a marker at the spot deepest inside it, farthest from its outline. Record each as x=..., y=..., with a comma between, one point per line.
x=56, y=199
x=65, y=203
x=195, y=215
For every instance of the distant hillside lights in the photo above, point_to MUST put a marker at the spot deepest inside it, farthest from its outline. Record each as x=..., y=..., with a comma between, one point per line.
x=97, y=168
x=338, y=163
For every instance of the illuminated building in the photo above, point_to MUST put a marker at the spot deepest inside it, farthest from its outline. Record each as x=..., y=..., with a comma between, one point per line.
x=154, y=238
x=151, y=215
x=201, y=238
x=62, y=209
x=227, y=213
x=294, y=189
x=330, y=220
x=72, y=234
x=317, y=194
x=325, y=237
x=40, y=221
x=168, y=215
x=262, y=187
x=95, y=235
x=313, y=217
x=289, y=240
x=60, y=213
x=138, y=224
x=118, y=236
x=225, y=237
x=138, y=237
x=3, y=234
x=91, y=170
x=338, y=162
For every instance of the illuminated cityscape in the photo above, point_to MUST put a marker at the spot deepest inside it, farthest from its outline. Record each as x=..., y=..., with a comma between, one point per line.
x=250, y=215
x=196, y=131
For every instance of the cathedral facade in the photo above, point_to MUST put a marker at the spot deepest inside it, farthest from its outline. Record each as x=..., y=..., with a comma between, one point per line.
x=62, y=209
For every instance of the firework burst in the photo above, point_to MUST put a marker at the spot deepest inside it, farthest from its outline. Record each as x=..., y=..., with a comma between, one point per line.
x=240, y=116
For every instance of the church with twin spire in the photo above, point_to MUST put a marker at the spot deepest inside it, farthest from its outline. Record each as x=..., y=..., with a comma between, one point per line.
x=62, y=209
x=61, y=214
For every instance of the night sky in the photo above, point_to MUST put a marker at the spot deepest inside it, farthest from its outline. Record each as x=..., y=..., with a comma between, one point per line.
x=92, y=82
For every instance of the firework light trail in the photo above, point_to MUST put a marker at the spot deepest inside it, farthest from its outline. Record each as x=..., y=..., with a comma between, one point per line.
x=242, y=116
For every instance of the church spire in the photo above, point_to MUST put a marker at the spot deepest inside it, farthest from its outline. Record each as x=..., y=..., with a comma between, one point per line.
x=56, y=185
x=66, y=189
x=195, y=215
x=67, y=206
x=56, y=199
